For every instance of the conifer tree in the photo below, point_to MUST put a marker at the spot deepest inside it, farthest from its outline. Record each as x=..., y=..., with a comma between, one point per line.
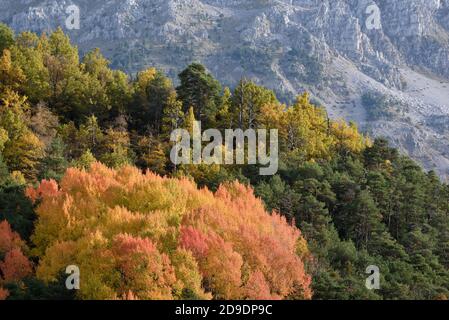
x=6, y=37
x=54, y=164
x=200, y=90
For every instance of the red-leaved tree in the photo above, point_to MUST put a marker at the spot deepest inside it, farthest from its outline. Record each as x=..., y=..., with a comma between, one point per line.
x=15, y=265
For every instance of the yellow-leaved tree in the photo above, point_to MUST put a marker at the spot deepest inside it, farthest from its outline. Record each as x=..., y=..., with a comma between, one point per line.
x=21, y=148
x=307, y=133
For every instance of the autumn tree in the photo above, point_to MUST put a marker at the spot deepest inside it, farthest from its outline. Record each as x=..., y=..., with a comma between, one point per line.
x=14, y=265
x=111, y=88
x=23, y=150
x=11, y=76
x=30, y=54
x=247, y=102
x=116, y=149
x=43, y=123
x=3, y=293
x=146, y=237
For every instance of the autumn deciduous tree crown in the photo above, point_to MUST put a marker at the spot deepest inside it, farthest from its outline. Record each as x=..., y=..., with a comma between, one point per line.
x=147, y=237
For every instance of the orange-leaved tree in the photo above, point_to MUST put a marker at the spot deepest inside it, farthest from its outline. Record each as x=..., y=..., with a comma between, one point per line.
x=14, y=265
x=141, y=236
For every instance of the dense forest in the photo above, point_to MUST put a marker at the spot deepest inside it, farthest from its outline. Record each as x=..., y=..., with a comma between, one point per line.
x=86, y=179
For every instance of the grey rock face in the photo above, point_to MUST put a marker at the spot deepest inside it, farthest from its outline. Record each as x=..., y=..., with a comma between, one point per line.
x=324, y=46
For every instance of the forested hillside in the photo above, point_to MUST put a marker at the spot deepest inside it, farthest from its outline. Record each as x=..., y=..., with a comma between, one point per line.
x=86, y=179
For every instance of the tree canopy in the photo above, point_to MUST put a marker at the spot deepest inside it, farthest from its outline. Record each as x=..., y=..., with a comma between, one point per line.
x=86, y=179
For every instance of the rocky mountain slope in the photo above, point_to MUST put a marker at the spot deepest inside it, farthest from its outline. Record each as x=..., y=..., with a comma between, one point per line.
x=392, y=79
